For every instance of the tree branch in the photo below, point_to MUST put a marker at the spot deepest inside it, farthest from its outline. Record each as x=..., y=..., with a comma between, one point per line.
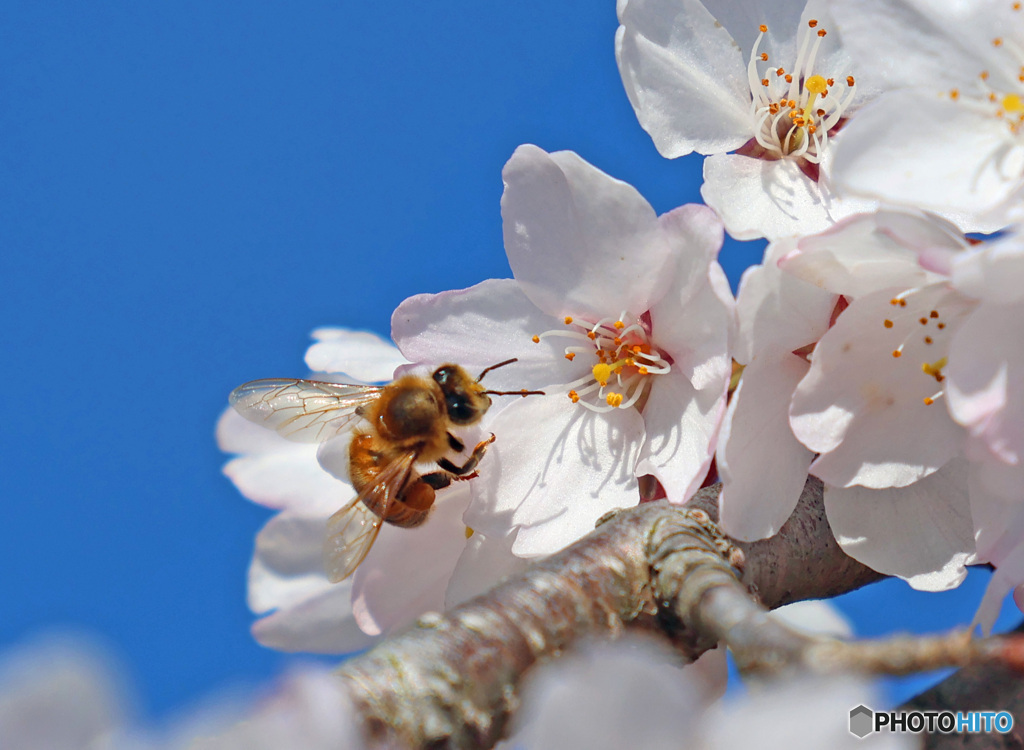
x=452, y=681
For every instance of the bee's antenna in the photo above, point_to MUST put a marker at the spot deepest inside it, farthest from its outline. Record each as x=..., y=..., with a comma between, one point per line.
x=523, y=393
x=495, y=367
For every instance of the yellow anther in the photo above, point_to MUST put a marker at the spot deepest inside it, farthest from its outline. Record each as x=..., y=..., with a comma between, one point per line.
x=888, y=324
x=469, y=532
x=591, y=335
x=568, y=319
x=762, y=28
x=1013, y=103
x=619, y=325
x=602, y=372
x=928, y=401
x=614, y=399
x=897, y=353
x=536, y=339
x=642, y=370
x=570, y=356
x=574, y=397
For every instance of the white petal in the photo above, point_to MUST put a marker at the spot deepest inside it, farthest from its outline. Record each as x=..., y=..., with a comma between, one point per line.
x=362, y=355
x=626, y=694
x=481, y=326
x=287, y=566
x=321, y=625
x=863, y=409
x=921, y=533
x=867, y=252
x=288, y=478
x=986, y=379
x=485, y=561
x=685, y=77
x=902, y=44
x=682, y=426
x=815, y=617
x=898, y=149
x=1004, y=580
x=555, y=468
x=994, y=274
x=580, y=242
x=759, y=198
x=692, y=322
x=407, y=571
x=777, y=312
x=236, y=434
x=762, y=465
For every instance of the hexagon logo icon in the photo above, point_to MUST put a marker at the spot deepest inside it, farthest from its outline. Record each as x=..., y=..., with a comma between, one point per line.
x=862, y=720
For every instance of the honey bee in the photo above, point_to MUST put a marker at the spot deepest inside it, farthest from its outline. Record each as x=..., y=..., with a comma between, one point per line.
x=395, y=426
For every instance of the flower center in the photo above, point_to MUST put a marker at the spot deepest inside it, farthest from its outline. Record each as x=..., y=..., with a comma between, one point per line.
x=625, y=362
x=792, y=110
x=1000, y=95
x=924, y=335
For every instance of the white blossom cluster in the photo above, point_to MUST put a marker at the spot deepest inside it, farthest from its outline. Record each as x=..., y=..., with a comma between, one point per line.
x=878, y=146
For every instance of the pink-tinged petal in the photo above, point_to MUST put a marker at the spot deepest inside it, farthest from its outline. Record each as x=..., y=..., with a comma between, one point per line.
x=891, y=152
x=481, y=326
x=682, y=426
x=985, y=379
x=994, y=272
x=695, y=234
x=998, y=519
x=580, y=242
x=695, y=331
x=693, y=320
x=684, y=76
x=1008, y=575
x=759, y=198
x=762, y=465
x=865, y=411
x=407, y=571
x=868, y=252
x=777, y=312
x=921, y=533
x=287, y=565
x=321, y=625
x=362, y=355
x=555, y=468
x=485, y=561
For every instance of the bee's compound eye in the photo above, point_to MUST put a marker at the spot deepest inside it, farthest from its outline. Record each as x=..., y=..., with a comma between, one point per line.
x=442, y=375
x=459, y=410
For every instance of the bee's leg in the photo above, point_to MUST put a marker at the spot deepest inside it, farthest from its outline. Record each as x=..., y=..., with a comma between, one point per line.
x=455, y=444
x=466, y=468
x=437, y=479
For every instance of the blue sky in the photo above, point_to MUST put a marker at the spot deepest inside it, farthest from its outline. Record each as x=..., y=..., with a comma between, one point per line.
x=188, y=189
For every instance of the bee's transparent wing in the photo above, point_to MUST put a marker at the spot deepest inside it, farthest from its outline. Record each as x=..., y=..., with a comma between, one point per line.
x=353, y=529
x=307, y=411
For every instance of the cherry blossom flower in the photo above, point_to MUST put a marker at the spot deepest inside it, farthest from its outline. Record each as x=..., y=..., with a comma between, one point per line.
x=620, y=317
x=406, y=573
x=768, y=81
x=947, y=138
x=871, y=405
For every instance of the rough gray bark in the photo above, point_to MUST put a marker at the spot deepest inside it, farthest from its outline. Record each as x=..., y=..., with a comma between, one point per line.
x=452, y=681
